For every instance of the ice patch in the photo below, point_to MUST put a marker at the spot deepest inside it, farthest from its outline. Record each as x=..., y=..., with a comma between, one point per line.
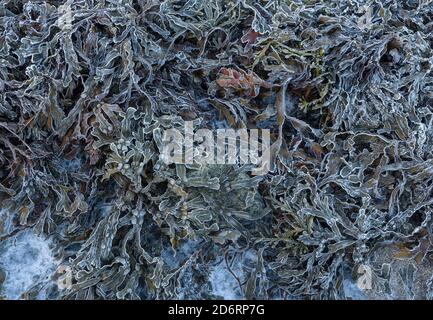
x=223, y=283
x=352, y=291
x=173, y=259
x=26, y=260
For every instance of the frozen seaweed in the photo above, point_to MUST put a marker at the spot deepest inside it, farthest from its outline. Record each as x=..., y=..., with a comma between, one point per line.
x=88, y=87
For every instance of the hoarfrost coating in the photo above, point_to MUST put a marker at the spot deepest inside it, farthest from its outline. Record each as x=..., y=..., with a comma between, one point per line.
x=344, y=89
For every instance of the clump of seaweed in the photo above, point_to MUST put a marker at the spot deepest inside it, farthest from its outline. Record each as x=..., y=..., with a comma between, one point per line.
x=87, y=88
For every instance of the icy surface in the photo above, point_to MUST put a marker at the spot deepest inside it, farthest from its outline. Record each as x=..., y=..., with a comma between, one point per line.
x=224, y=284
x=352, y=291
x=27, y=260
x=173, y=259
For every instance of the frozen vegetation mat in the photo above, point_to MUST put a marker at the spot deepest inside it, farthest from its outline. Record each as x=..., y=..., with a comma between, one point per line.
x=89, y=209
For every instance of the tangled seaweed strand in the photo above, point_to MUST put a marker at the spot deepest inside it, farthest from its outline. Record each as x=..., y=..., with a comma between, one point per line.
x=344, y=86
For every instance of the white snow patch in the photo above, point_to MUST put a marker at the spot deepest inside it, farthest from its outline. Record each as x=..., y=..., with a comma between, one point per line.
x=27, y=260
